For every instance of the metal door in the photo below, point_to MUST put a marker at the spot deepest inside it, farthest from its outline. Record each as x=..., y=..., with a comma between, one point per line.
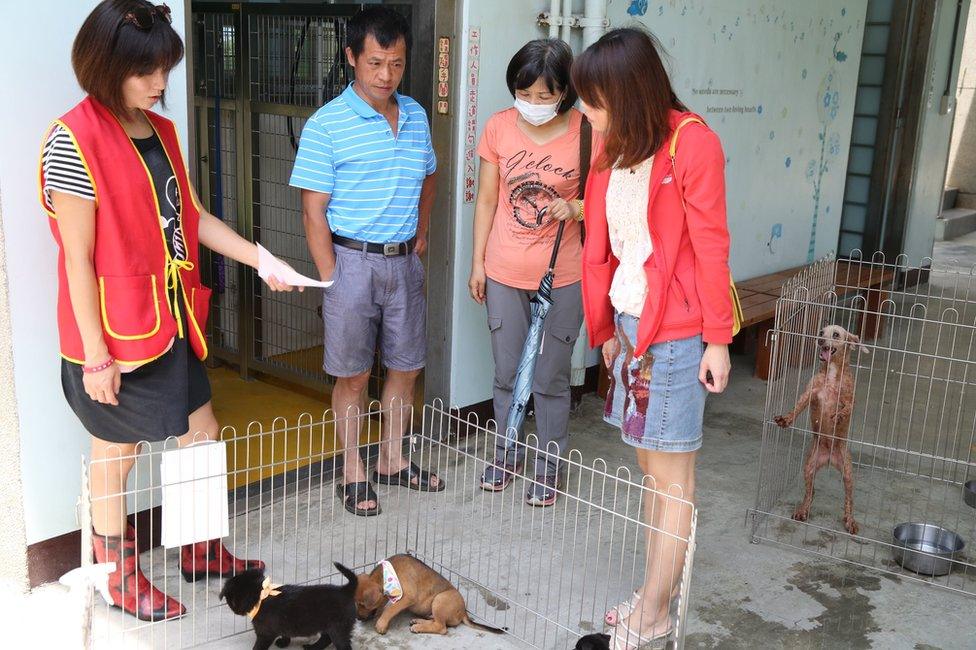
x=885, y=129
x=260, y=71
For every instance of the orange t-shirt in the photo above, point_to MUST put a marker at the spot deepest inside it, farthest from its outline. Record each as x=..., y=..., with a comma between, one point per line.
x=531, y=177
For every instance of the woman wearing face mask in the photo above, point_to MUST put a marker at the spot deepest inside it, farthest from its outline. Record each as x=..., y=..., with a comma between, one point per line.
x=529, y=182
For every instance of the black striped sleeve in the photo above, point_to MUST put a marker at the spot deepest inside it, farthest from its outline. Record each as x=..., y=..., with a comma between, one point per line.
x=63, y=168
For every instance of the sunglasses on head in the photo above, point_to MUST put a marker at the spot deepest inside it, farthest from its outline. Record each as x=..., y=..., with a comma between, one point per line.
x=144, y=16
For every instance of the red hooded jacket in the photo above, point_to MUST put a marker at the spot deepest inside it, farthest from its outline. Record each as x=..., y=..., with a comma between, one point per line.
x=688, y=270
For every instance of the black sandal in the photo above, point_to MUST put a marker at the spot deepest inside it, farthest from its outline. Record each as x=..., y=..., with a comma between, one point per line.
x=404, y=478
x=352, y=493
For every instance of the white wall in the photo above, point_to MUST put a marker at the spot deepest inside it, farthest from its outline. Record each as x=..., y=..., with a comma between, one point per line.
x=782, y=59
x=38, y=86
x=935, y=130
x=506, y=26
x=13, y=542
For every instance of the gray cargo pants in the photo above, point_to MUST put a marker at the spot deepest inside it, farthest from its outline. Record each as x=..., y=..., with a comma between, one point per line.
x=509, y=315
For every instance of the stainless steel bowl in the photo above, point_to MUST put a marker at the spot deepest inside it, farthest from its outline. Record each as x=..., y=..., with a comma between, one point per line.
x=926, y=548
x=969, y=493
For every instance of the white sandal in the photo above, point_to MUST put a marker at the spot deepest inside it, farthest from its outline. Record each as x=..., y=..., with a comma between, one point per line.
x=626, y=639
x=626, y=607
x=623, y=609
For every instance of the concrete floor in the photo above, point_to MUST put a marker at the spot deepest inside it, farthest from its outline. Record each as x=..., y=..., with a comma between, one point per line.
x=743, y=595
x=959, y=252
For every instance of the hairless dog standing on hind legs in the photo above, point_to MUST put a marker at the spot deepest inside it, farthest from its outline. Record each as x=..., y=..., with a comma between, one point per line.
x=830, y=395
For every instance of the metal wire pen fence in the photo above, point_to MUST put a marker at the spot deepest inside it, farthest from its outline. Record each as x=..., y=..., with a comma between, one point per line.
x=546, y=574
x=912, y=426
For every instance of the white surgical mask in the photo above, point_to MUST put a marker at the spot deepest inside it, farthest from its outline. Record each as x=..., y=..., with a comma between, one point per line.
x=536, y=114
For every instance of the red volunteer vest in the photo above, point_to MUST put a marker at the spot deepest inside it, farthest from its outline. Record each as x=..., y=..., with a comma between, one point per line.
x=137, y=279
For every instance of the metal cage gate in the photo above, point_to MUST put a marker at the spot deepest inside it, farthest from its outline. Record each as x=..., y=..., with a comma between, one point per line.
x=912, y=435
x=259, y=73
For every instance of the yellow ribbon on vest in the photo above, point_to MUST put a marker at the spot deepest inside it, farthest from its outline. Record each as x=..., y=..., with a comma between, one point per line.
x=672, y=150
x=173, y=268
x=267, y=590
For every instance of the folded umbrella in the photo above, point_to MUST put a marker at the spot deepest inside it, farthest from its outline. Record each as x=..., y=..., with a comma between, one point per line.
x=522, y=389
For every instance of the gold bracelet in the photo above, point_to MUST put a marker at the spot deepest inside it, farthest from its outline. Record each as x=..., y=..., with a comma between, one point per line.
x=579, y=202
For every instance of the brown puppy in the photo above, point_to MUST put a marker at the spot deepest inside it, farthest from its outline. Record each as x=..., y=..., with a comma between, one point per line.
x=425, y=593
x=830, y=395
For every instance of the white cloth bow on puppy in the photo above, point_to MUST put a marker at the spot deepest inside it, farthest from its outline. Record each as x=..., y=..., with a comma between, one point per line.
x=391, y=582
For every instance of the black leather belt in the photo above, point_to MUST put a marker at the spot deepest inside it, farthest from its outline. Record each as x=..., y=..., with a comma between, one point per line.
x=389, y=250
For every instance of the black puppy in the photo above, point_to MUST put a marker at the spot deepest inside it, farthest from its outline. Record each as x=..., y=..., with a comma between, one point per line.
x=292, y=610
x=593, y=642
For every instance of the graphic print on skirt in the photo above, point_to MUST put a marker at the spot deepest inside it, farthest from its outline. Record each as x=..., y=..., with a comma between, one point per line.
x=635, y=378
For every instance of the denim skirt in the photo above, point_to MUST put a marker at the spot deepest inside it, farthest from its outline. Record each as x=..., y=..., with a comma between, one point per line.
x=656, y=400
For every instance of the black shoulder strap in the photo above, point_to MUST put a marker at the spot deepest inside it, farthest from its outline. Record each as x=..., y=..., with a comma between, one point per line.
x=586, y=137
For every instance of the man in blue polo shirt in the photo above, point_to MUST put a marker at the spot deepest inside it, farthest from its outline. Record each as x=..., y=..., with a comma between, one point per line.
x=366, y=166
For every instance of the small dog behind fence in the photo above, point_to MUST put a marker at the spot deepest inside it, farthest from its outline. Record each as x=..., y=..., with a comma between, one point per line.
x=281, y=612
x=830, y=396
x=899, y=424
x=507, y=573
x=403, y=583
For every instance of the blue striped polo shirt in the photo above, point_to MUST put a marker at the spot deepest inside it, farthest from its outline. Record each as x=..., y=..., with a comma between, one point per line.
x=348, y=150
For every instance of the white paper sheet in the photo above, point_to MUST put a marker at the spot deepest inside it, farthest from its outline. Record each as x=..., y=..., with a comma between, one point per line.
x=194, y=486
x=269, y=265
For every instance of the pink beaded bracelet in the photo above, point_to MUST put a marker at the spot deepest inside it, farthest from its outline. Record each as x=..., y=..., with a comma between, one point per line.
x=100, y=367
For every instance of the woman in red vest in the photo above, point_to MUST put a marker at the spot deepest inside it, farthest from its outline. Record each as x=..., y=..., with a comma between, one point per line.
x=132, y=310
x=655, y=294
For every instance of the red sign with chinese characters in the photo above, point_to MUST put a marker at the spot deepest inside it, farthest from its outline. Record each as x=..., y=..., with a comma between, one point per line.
x=443, y=75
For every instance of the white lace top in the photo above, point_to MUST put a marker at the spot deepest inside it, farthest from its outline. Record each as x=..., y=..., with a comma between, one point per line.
x=630, y=239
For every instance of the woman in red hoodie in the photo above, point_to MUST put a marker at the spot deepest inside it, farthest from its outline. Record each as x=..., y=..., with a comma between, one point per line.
x=655, y=292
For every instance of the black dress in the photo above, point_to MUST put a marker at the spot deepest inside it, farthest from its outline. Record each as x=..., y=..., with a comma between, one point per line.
x=156, y=399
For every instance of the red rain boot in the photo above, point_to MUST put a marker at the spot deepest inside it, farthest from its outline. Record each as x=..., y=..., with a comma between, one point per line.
x=129, y=587
x=206, y=559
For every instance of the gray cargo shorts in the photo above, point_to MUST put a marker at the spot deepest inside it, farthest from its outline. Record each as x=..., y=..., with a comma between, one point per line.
x=374, y=301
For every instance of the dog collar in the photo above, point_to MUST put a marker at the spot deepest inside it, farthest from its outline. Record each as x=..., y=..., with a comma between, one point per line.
x=391, y=583
x=267, y=590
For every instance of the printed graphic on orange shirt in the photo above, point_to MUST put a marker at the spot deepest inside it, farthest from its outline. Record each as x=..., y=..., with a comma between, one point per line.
x=530, y=196
x=530, y=201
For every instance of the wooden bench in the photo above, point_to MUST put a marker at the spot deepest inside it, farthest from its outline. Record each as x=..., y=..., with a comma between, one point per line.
x=759, y=296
